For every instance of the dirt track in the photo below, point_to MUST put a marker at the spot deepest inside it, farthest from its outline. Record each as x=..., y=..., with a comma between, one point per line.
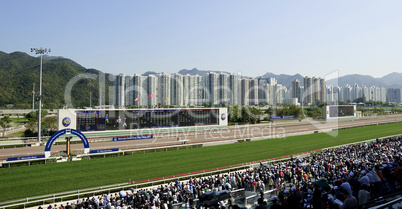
x=223, y=136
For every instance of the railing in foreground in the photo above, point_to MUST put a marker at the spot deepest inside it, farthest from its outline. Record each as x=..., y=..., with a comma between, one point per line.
x=389, y=201
x=252, y=200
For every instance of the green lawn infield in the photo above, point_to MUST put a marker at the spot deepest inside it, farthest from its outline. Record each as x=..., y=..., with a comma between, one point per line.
x=30, y=181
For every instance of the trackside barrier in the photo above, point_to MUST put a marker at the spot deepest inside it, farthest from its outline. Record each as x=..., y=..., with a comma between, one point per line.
x=162, y=145
x=8, y=164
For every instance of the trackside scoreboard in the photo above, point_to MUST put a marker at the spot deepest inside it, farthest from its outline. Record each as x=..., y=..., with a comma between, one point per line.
x=339, y=111
x=86, y=120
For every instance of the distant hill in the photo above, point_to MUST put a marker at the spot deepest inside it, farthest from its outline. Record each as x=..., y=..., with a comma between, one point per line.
x=18, y=72
x=149, y=73
x=393, y=80
x=195, y=71
x=47, y=57
x=285, y=80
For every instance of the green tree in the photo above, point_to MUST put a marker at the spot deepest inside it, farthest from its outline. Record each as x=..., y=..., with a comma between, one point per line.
x=234, y=114
x=207, y=105
x=51, y=123
x=5, y=123
x=245, y=116
x=314, y=112
x=269, y=111
x=32, y=125
x=256, y=113
x=290, y=110
x=360, y=99
x=343, y=102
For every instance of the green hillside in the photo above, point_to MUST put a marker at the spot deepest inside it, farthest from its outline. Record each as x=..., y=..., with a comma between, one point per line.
x=18, y=72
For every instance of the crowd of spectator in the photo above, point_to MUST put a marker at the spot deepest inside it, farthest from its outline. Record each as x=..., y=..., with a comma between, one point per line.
x=343, y=177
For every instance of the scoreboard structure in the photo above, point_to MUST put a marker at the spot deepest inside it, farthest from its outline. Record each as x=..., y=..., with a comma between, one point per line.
x=98, y=120
x=339, y=111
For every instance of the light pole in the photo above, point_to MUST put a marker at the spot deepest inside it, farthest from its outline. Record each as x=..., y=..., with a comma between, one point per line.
x=41, y=52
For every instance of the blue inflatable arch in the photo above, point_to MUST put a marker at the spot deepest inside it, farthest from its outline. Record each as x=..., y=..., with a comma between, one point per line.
x=62, y=132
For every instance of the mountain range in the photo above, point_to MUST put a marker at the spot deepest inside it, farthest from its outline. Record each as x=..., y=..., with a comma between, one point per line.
x=392, y=80
x=18, y=72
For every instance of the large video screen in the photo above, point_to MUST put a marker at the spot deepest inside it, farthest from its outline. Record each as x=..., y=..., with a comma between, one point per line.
x=92, y=120
x=341, y=111
x=138, y=119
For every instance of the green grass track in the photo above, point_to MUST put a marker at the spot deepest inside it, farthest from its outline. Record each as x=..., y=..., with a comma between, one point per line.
x=29, y=181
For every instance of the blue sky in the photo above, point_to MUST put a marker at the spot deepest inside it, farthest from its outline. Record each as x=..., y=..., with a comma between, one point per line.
x=310, y=37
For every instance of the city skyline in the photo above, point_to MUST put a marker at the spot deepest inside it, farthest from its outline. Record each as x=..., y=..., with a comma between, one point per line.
x=231, y=89
x=312, y=39
x=212, y=88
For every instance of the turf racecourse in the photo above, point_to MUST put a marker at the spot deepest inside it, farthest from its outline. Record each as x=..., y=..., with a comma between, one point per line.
x=29, y=181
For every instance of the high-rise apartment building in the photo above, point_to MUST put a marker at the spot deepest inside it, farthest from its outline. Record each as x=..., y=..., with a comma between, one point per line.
x=267, y=95
x=140, y=90
x=278, y=94
x=177, y=90
x=253, y=95
x=224, y=90
x=128, y=93
x=152, y=90
x=234, y=89
x=322, y=90
x=314, y=90
x=244, y=91
x=164, y=89
x=308, y=90
x=118, y=90
x=346, y=91
x=356, y=92
x=261, y=90
x=296, y=90
x=394, y=95
x=316, y=93
x=211, y=88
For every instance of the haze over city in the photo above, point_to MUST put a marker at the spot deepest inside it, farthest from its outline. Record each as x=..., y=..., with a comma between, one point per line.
x=312, y=38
